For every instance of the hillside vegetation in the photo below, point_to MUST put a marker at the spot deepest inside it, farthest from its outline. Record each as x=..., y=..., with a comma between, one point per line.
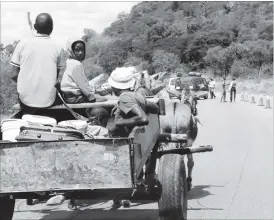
x=217, y=38
x=224, y=38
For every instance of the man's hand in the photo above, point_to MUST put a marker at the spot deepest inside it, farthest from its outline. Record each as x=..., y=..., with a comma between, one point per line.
x=114, y=109
x=112, y=129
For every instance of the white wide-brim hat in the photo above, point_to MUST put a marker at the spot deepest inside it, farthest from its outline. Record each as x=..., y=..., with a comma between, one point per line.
x=121, y=78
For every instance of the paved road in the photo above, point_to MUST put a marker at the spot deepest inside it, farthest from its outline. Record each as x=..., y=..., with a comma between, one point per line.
x=235, y=181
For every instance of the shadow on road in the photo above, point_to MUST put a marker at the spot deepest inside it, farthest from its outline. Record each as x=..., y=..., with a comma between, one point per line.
x=103, y=210
x=86, y=203
x=93, y=210
x=198, y=192
x=99, y=214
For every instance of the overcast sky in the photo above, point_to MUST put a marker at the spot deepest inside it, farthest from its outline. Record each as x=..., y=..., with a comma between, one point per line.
x=70, y=18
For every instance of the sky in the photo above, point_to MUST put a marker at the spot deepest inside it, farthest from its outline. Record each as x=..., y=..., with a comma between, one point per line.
x=70, y=18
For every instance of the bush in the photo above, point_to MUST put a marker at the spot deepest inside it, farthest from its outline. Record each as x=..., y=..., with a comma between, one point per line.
x=163, y=61
x=267, y=70
x=8, y=93
x=133, y=61
x=92, y=70
x=113, y=55
x=241, y=69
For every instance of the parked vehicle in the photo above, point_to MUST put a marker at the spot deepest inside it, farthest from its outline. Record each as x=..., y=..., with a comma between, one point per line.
x=194, y=81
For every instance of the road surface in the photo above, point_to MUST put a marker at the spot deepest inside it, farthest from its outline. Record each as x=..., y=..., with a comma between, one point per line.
x=235, y=181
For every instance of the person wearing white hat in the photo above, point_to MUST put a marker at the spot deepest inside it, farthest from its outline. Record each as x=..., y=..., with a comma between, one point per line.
x=131, y=108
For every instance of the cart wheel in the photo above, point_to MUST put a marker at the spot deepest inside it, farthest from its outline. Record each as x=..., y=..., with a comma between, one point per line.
x=172, y=176
x=7, y=208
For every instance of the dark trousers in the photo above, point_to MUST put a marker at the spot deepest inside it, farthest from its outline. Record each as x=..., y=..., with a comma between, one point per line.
x=212, y=94
x=32, y=110
x=223, y=97
x=232, y=94
x=27, y=109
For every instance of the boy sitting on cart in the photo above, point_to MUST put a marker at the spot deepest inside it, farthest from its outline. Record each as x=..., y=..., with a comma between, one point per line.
x=132, y=108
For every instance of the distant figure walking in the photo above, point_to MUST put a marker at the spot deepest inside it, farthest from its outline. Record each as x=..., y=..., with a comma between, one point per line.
x=212, y=85
x=233, y=89
x=223, y=98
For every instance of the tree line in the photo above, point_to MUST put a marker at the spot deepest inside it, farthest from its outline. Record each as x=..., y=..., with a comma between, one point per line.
x=223, y=38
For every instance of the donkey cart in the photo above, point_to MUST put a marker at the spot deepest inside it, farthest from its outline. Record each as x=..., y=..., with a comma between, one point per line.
x=97, y=168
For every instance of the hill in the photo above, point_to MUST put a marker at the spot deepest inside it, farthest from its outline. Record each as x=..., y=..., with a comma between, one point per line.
x=217, y=38
x=221, y=37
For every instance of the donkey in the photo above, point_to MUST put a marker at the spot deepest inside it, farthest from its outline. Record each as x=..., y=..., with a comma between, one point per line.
x=143, y=85
x=179, y=119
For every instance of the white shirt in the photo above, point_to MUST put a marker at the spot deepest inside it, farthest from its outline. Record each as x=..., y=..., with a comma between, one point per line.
x=232, y=84
x=38, y=59
x=212, y=84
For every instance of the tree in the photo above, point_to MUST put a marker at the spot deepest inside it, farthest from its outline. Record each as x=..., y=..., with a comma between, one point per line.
x=163, y=61
x=114, y=55
x=88, y=34
x=1, y=47
x=158, y=31
x=221, y=59
x=260, y=52
x=267, y=33
x=122, y=16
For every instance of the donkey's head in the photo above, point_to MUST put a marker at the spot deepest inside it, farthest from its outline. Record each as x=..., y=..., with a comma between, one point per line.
x=190, y=100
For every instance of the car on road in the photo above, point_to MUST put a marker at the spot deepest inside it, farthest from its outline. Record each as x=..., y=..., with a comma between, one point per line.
x=196, y=83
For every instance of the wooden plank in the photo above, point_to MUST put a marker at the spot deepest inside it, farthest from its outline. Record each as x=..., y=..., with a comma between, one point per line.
x=109, y=103
x=73, y=165
x=144, y=140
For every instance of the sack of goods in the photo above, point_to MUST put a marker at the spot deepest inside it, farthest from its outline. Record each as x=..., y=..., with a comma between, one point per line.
x=10, y=128
x=78, y=125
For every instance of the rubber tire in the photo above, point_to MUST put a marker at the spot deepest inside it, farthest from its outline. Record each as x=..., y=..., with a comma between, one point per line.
x=172, y=176
x=206, y=97
x=7, y=208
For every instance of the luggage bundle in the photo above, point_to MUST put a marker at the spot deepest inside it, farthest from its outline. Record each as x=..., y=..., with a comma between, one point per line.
x=48, y=133
x=39, y=128
x=36, y=127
